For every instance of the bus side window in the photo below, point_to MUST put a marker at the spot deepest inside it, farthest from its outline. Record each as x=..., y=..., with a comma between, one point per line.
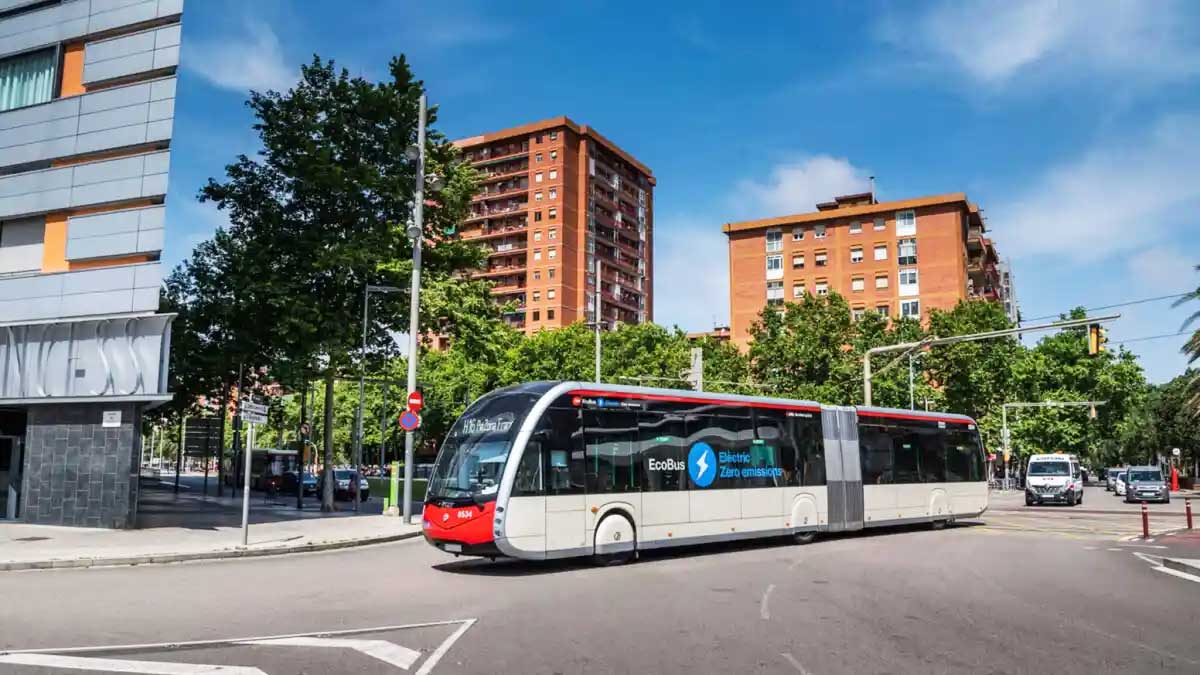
x=771, y=449
x=610, y=440
x=810, y=449
x=562, y=451
x=875, y=453
x=661, y=438
x=529, y=472
x=933, y=454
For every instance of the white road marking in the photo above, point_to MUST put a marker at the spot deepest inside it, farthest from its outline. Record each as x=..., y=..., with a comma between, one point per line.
x=58, y=662
x=795, y=664
x=388, y=652
x=445, y=647
x=1177, y=573
x=1091, y=548
x=1114, y=548
x=763, y=609
x=1144, y=545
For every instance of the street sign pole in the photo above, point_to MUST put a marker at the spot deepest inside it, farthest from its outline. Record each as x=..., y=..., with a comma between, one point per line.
x=246, y=490
x=415, y=299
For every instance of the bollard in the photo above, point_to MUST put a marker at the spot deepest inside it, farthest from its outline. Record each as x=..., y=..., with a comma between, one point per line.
x=1187, y=506
x=1145, y=522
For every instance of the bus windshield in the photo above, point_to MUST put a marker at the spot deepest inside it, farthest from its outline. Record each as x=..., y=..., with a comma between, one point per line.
x=1049, y=469
x=472, y=458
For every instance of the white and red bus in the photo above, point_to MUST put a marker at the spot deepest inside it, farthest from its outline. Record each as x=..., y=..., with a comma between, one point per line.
x=559, y=469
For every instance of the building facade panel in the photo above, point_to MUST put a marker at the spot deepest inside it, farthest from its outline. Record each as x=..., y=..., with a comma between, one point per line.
x=85, y=137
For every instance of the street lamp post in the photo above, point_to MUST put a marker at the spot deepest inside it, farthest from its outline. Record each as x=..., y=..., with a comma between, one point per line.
x=415, y=232
x=362, y=375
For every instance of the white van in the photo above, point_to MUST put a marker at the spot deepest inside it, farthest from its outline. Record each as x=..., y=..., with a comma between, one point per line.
x=1053, y=478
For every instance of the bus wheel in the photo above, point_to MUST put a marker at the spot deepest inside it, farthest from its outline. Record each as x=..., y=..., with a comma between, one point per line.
x=805, y=537
x=616, y=541
x=939, y=524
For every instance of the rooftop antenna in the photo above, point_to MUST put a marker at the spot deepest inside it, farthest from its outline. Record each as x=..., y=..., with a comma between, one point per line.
x=873, y=190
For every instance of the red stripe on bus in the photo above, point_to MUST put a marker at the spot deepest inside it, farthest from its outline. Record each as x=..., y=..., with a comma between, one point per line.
x=903, y=416
x=689, y=399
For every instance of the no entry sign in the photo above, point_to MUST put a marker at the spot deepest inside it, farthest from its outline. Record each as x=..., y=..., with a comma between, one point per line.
x=416, y=401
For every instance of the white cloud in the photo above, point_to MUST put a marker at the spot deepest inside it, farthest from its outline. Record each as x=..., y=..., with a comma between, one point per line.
x=253, y=59
x=797, y=186
x=1119, y=196
x=1163, y=267
x=998, y=41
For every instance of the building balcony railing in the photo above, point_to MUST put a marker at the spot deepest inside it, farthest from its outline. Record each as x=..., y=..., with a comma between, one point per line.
x=489, y=157
x=500, y=252
x=480, y=214
x=492, y=232
x=488, y=195
x=499, y=270
x=508, y=289
x=503, y=172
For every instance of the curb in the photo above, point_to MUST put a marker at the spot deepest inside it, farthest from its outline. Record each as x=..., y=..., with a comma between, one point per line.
x=224, y=554
x=1180, y=566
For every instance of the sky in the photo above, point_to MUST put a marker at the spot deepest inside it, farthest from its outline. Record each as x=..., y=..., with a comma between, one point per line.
x=1075, y=125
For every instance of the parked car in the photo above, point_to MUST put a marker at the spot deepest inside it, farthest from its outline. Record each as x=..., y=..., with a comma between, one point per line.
x=1146, y=484
x=342, y=487
x=1119, y=483
x=1110, y=478
x=287, y=484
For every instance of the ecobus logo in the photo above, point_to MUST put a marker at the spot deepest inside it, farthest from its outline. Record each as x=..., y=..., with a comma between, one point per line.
x=702, y=464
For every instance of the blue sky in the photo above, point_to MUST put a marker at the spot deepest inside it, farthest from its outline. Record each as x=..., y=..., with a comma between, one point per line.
x=1074, y=125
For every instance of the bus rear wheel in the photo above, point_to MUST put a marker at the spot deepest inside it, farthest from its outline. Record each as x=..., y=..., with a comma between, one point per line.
x=615, y=531
x=803, y=538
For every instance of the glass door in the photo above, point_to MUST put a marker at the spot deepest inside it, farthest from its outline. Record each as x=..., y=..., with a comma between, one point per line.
x=10, y=476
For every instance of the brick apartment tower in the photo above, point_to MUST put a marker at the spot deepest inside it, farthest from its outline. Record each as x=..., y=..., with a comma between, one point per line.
x=900, y=258
x=556, y=196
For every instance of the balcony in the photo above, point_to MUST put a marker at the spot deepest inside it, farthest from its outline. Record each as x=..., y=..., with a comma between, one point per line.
x=504, y=172
x=508, y=289
x=500, y=191
x=487, y=157
x=513, y=249
x=498, y=271
x=480, y=214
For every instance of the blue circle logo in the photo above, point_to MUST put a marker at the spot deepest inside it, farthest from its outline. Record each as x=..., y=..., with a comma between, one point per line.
x=702, y=464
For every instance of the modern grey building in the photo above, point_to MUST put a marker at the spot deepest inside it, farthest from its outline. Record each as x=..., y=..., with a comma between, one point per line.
x=87, y=98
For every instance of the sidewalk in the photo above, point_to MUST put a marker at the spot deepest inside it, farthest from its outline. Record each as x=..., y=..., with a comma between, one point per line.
x=44, y=547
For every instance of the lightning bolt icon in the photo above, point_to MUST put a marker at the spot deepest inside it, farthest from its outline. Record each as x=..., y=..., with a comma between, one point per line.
x=702, y=462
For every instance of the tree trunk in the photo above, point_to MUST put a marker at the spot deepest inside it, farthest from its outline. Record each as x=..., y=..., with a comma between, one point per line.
x=221, y=443
x=327, y=482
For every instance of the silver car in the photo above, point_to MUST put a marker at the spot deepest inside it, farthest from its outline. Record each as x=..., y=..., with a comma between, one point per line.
x=1110, y=478
x=1146, y=484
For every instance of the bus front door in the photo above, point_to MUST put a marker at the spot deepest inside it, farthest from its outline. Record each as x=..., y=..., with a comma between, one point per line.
x=843, y=473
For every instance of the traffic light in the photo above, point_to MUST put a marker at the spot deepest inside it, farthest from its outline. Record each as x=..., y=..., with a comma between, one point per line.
x=1097, y=338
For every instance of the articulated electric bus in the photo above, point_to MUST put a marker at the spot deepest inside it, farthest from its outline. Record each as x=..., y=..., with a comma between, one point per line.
x=558, y=469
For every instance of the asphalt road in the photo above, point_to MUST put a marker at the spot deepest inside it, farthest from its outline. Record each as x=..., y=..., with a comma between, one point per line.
x=1022, y=590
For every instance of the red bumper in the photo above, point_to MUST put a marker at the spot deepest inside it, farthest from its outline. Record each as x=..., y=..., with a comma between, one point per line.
x=470, y=525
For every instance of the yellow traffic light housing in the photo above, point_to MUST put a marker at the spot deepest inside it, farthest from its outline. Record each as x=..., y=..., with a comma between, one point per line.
x=1093, y=339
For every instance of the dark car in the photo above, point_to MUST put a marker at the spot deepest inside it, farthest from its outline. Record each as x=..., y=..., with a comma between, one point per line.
x=287, y=484
x=1146, y=484
x=343, y=488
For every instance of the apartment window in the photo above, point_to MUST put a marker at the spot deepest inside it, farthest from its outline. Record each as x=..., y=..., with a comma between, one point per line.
x=880, y=225
x=537, y=296
x=553, y=213
x=551, y=272
x=797, y=233
x=906, y=223
x=553, y=174
x=821, y=259
x=21, y=244
x=553, y=193
x=774, y=240
x=857, y=313
x=27, y=79
x=858, y=284
x=821, y=287
x=554, y=233
x=550, y=294
x=883, y=309
x=537, y=139
x=855, y=227
x=881, y=281
x=549, y=315
x=537, y=196
x=537, y=235
x=911, y=309
x=537, y=275
x=908, y=282
x=774, y=266
x=881, y=251
x=537, y=177
x=537, y=254
x=553, y=253
x=537, y=316
x=774, y=292
x=798, y=262
x=553, y=154
x=537, y=216
x=554, y=135
x=856, y=255
x=537, y=157
x=906, y=251
x=819, y=231
x=798, y=289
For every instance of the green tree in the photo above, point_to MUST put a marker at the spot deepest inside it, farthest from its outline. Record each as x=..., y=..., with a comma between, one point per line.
x=322, y=212
x=801, y=349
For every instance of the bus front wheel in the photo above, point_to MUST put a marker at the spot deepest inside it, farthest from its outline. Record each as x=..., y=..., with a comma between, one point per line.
x=805, y=537
x=616, y=541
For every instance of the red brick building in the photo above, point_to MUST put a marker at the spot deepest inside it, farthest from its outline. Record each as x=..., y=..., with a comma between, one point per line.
x=556, y=196
x=899, y=258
